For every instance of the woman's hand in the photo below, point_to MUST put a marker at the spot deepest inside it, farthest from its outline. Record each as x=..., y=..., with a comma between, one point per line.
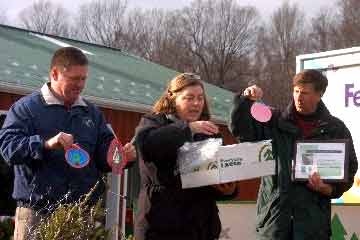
x=206, y=127
x=226, y=188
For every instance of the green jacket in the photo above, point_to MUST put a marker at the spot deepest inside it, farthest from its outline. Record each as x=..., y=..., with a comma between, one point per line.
x=287, y=210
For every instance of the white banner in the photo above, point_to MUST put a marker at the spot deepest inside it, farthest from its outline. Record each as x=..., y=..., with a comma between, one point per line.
x=238, y=221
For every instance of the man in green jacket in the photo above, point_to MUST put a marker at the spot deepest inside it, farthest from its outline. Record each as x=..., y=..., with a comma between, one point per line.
x=286, y=209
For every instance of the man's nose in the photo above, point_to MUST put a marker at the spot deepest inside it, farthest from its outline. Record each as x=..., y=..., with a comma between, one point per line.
x=300, y=96
x=81, y=84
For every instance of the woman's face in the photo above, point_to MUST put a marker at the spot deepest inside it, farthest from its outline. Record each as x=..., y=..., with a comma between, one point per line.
x=189, y=103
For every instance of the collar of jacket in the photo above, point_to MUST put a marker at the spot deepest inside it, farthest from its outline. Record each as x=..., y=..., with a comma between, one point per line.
x=172, y=117
x=160, y=119
x=287, y=118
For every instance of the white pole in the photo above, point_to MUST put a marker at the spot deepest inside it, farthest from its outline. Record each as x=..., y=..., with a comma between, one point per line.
x=112, y=206
x=124, y=202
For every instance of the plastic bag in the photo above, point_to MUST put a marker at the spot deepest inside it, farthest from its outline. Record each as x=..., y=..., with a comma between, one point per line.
x=196, y=156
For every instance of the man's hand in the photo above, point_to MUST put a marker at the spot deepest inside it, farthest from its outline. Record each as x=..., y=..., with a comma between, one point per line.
x=206, y=127
x=61, y=140
x=317, y=184
x=253, y=93
x=226, y=188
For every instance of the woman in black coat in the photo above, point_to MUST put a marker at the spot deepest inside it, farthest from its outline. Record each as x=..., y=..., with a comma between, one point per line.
x=165, y=210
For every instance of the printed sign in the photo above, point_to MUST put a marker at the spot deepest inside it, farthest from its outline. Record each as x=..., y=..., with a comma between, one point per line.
x=328, y=158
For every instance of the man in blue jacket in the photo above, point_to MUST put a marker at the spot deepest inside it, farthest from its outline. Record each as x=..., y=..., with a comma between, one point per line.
x=38, y=130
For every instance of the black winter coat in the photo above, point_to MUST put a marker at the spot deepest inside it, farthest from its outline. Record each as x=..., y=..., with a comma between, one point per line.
x=165, y=210
x=289, y=210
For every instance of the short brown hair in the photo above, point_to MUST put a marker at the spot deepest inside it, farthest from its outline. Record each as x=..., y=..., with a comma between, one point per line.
x=314, y=77
x=166, y=103
x=68, y=56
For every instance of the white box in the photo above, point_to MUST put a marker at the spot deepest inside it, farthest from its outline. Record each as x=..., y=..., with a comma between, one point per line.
x=230, y=163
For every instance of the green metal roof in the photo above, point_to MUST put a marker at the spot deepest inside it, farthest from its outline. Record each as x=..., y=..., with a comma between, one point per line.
x=116, y=80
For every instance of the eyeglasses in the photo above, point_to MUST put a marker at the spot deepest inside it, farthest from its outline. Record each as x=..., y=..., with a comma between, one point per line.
x=191, y=76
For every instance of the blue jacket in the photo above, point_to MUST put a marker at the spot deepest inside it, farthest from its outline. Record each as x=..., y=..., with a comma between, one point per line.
x=42, y=177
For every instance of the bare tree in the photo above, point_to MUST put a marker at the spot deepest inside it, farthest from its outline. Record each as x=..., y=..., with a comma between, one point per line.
x=263, y=57
x=134, y=36
x=102, y=22
x=323, y=31
x=287, y=32
x=218, y=34
x=277, y=46
x=46, y=17
x=337, y=27
x=350, y=23
x=145, y=32
x=164, y=42
x=213, y=37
